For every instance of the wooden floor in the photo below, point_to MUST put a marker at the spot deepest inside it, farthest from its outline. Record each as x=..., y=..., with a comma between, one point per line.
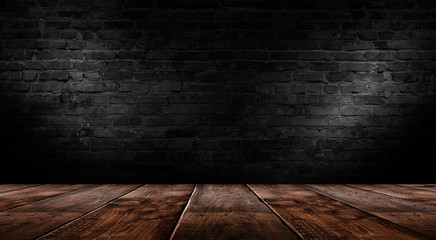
x=208, y=211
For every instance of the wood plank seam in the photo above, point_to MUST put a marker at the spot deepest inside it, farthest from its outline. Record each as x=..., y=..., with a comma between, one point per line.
x=388, y=195
x=176, y=226
x=284, y=221
x=54, y=197
x=339, y=200
x=59, y=195
x=423, y=188
x=89, y=212
x=36, y=185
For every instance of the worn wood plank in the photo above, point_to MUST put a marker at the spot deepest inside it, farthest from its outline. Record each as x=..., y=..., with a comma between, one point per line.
x=229, y=212
x=314, y=216
x=149, y=212
x=28, y=195
x=13, y=187
x=33, y=220
x=427, y=187
x=419, y=217
x=399, y=191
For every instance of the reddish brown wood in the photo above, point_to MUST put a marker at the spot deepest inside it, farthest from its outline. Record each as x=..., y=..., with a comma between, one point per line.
x=419, y=217
x=28, y=195
x=315, y=216
x=149, y=212
x=399, y=191
x=33, y=220
x=219, y=212
x=229, y=212
x=13, y=187
x=427, y=187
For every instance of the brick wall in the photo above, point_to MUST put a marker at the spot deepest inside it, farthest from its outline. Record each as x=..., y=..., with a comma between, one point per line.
x=217, y=91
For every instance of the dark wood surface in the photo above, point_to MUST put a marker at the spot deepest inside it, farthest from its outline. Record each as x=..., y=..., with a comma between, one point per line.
x=150, y=212
x=407, y=193
x=321, y=217
x=205, y=211
x=229, y=212
x=13, y=187
x=427, y=187
x=417, y=216
x=24, y=196
x=32, y=220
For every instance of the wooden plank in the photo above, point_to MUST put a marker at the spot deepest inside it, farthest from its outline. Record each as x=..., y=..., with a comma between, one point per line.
x=229, y=212
x=314, y=216
x=427, y=187
x=149, y=212
x=419, y=217
x=399, y=191
x=33, y=220
x=28, y=195
x=12, y=187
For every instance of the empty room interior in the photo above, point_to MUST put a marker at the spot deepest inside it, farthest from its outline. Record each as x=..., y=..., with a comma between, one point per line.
x=217, y=119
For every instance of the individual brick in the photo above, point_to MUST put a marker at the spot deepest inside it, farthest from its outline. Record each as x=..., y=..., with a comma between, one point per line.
x=103, y=133
x=290, y=111
x=397, y=66
x=133, y=87
x=323, y=111
x=28, y=34
x=427, y=35
x=357, y=67
x=67, y=54
x=276, y=77
x=69, y=34
x=312, y=121
x=324, y=66
x=308, y=77
x=340, y=77
x=57, y=65
x=348, y=56
x=355, y=111
x=367, y=35
x=30, y=75
x=378, y=56
x=44, y=55
x=403, y=45
x=100, y=55
x=353, y=88
x=15, y=66
x=316, y=56
x=331, y=89
x=166, y=87
x=352, y=46
x=54, y=76
x=75, y=45
x=404, y=77
x=368, y=100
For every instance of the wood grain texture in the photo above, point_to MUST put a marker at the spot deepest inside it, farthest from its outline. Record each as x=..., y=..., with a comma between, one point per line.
x=33, y=220
x=419, y=217
x=315, y=216
x=149, y=212
x=427, y=187
x=12, y=187
x=28, y=195
x=399, y=191
x=229, y=212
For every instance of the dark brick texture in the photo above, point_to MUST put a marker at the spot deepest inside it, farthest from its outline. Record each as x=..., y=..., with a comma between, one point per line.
x=218, y=91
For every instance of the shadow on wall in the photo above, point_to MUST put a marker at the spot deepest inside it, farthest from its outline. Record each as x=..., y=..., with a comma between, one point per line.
x=409, y=153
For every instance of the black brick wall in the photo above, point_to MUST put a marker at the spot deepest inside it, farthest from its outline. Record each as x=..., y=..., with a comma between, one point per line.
x=217, y=91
